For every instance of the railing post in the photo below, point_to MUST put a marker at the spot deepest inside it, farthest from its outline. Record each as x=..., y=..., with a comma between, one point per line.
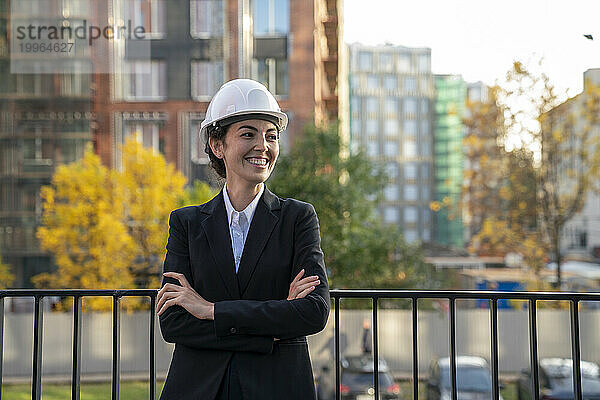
x=375, y=349
x=152, y=348
x=494, y=337
x=336, y=333
x=116, y=355
x=415, y=347
x=533, y=354
x=1, y=340
x=76, y=378
x=36, y=386
x=576, y=349
x=453, y=348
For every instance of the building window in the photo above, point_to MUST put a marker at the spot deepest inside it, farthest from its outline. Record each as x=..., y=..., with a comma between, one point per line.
x=271, y=17
x=207, y=78
x=410, y=106
x=425, y=171
x=411, y=193
x=425, y=193
x=197, y=153
x=355, y=127
x=386, y=62
x=144, y=132
x=149, y=14
x=273, y=73
x=424, y=84
x=410, y=235
x=410, y=171
x=410, y=84
x=372, y=149
x=424, y=63
x=390, y=82
x=391, y=214
x=206, y=18
x=410, y=149
x=391, y=148
x=365, y=61
x=409, y=127
x=424, y=106
x=391, y=170
x=372, y=82
x=425, y=128
x=391, y=127
x=426, y=216
x=425, y=148
x=391, y=105
x=391, y=192
x=355, y=105
x=145, y=80
x=410, y=215
x=404, y=63
x=426, y=234
x=76, y=84
x=372, y=105
x=372, y=126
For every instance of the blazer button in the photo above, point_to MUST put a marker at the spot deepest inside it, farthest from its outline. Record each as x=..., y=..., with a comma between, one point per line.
x=233, y=330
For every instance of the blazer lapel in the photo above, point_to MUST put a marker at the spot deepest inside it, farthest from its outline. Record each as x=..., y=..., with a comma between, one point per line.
x=217, y=231
x=262, y=225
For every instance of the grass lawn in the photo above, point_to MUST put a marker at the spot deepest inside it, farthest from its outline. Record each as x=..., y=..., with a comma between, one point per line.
x=134, y=390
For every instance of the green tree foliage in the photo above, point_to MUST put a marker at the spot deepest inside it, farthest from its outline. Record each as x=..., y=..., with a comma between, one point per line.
x=360, y=252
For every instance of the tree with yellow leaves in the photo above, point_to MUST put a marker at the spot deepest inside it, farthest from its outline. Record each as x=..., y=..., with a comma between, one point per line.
x=106, y=228
x=6, y=277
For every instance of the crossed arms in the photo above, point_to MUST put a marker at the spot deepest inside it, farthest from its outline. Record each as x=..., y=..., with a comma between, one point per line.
x=244, y=325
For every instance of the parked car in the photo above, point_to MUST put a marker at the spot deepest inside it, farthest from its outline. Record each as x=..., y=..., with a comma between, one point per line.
x=473, y=379
x=555, y=376
x=357, y=381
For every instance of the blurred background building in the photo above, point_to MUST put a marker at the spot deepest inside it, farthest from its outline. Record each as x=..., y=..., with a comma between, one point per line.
x=451, y=92
x=45, y=121
x=196, y=45
x=391, y=120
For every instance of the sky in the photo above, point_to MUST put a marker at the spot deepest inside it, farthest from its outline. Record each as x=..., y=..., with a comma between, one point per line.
x=479, y=39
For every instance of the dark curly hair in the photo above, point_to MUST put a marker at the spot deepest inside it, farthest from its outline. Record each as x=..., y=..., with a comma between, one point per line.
x=217, y=132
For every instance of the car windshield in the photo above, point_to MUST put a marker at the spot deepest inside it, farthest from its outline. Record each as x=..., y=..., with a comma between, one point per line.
x=354, y=379
x=469, y=379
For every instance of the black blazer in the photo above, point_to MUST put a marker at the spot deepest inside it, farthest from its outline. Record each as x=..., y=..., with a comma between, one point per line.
x=251, y=307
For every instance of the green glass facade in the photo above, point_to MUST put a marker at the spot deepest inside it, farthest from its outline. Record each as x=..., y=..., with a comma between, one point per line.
x=448, y=161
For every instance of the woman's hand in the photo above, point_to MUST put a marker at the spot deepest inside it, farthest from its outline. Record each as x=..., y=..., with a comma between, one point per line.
x=299, y=288
x=184, y=296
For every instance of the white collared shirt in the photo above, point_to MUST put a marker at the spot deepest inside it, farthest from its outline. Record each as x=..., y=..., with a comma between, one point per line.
x=239, y=223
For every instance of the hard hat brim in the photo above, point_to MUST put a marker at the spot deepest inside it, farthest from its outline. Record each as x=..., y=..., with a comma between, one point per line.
x=279, y=119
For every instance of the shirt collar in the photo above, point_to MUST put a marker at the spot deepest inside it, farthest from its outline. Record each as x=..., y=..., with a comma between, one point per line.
x=250, y=208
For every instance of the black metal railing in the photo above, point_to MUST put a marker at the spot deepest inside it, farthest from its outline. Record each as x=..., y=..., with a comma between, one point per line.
x=574, y=300
x=77, y=295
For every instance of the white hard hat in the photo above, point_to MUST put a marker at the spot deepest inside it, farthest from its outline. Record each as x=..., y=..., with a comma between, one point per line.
x=241, y=99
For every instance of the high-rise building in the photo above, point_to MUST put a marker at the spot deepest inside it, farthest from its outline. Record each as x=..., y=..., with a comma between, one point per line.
x=451, y=92
x=391, y=111
x=158, y=97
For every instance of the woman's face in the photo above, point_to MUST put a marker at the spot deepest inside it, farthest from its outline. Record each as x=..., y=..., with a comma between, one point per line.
x=249, y=151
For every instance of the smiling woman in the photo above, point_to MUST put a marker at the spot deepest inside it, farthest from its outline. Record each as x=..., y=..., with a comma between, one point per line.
x=234, y=298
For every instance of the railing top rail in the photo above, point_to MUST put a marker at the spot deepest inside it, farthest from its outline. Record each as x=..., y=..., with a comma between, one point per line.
x=461, y=294
x=336, y=293
x=78, y=292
